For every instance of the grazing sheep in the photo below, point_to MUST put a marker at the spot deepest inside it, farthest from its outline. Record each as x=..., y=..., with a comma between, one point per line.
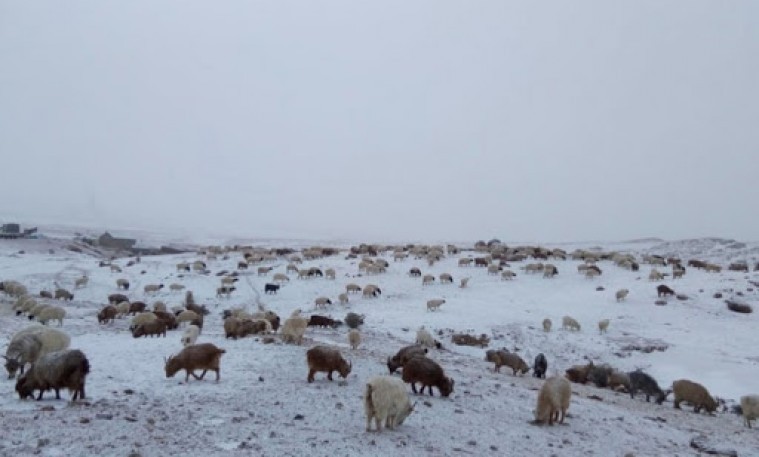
x=152, y=288
x=343, y=298
x=322, y=302
x=493, y=269
x=508, y=275
x=540, y=367
x=52, y=313
x=187, y=316
x=225, y=291
x=599, y=375
x=228, y=280
x=415, y=272
x=326, y=359
x=428, y=373
x=329, y=273
x=190, y=335
x=465, y=262
x=167, y=318
x=655, y=275
x=204, y=356
x=663, y=290
x=280, y=278
x=621, y=294
x=183, y=266
x=36, y=310
x=693, y=393
x=553, y=400
x=547, y=325
x=137, y=307
x=434, y=305
x=510, y=359
x=353, y=320
x=28, y=344
x=645, y=383
x=153, y=328
x=46, y=294
x=13, y=288
x=323, y=321
x=446, y=278
x=115, y=268
x=424, y=338
x=464, y=283
x=569, y=323
x=549, y=270
x=63, y=294
x=81, y=282
x=107, y=314
x=386, y=401
x=533, y=267
x=293, y=329
x=142, y=318
x=403, y=355
x=603, y=325
x=617, y=379
x=352, y=288
x=263, y=271
x=253, y=327
x=175, y=287
x=428, y=279
x=371, y=291
x=270, y=288
x=115, y=299
x=750, y=408
x=578, y=373
x=122, y=283
x=354, y=338
x=122, y=308
x=56, y=370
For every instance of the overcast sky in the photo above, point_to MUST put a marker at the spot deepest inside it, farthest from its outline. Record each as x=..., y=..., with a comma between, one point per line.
x=384, y=120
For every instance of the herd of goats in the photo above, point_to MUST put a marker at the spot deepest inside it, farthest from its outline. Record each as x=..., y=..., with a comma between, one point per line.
x=53, y=366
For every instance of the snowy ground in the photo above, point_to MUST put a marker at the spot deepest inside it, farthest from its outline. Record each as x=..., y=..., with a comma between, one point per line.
x=264, y=406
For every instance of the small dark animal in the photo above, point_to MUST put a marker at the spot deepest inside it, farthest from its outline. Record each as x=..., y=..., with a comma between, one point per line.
x=662, y=290
x=155, y=328
x=403, y=355
x=271, y=288
x=107, y=314
x=414, y=272
x=137, y=307
x=55, y=370
x=540, y=366
x=322, y=321
x=46, y=294
x=313, y=271
x=428, y=373
x=640, y=381
x=115, y=299
x=326, y=359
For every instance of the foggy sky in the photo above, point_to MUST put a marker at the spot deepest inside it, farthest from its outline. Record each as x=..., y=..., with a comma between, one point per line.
x=391, y=120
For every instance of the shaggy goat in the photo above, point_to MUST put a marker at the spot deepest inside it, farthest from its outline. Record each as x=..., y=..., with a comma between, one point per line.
x=553, y=400
x=326, y=359
x=386, y=401
x=205, y=356
x=56, y=370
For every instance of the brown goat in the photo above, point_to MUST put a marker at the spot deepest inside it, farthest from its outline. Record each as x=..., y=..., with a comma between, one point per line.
x=107, y=314
x=169, y=319
x=428, y=373
x=579, y=373
x=405, y=353
x=326, y=359
x=137, y=307
x=205, y=356
x=56, y=370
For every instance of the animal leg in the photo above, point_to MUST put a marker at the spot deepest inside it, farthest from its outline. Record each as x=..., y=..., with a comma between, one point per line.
x=311, y=375
x=201, y=375
x=329, y=375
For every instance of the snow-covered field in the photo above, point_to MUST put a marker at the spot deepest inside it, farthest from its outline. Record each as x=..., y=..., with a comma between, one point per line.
x=264, y=406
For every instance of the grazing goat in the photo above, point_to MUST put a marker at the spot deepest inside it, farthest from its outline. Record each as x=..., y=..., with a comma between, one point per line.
x=553, y=400
x=326, y=359
x=205, y=356
x=428, y=373
x=56, y=370
x=386, y=401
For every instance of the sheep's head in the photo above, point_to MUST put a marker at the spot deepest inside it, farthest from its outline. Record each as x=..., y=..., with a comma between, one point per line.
x=24, y=388
x=345, y=368
x=172, y=366
x=404, y=413
x=446, y=387
x=12, y=365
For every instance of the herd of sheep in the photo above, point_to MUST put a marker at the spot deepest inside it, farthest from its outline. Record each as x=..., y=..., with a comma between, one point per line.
x=54, y=366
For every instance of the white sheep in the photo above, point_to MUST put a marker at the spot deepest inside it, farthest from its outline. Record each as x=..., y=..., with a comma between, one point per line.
x=36, y=310
x=115, y=268
x=322, y=302
x=343, y=297
x=52, y=313
x=386, y=401
x=603, y=325
x=434, y=305
x=464, y=283
x=750, y=408
x=547, y=325
x=569, y=323
x=622, y=294
x=123, y=308
x=142, y=318
x=159, y=306
x=371, y=291
x=190, y=335
x=428, y=279
x=175, y=287
x=187, y=316
x=354, y=338
x=29, y=344
x=655, y=275
x=152, y=288
x=329, y=273
x=507, y=275
x=353, y=288
x=446, y=278
x=424, y=338
x=13, y=288
x=493, y=269
x=280, y=278
x=293, y=329
x=465, y=262
x=81, y=282
x=553, y=400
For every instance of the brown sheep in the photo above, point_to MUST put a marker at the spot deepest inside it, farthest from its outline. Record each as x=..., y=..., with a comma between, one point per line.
x=693, y=393
x=137, y=307
x=502, y=357
x=155, y=328
x=167, y=318
x=663, y=290
x=579, y=373
x=428, y=373
x=107, y=314
x=405, y=353
x=205, y=356
x=326, y=359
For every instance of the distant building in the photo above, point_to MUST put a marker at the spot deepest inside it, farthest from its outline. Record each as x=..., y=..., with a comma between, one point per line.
x=13, y=231
x=107, y=240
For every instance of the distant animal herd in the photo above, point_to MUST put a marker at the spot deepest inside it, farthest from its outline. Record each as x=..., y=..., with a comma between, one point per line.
x=54, y=366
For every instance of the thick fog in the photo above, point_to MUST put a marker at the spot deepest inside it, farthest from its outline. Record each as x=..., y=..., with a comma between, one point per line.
x=392, y=120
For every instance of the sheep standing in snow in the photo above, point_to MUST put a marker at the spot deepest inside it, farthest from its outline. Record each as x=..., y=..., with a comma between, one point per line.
x=81, y=282
x=655, y=275
x=203, y=356
x=187, y=316
x=190, y=335
x=52, y=313
x=428, y=373
x=322, y=302
x=446, y=278
x=326, y=359
x=428, y=279
x=106, y=314
x=603, y=325
x=141, y=319
x=547, y=325
x=386, y=401
x=122, y=283
x=464, y=283
x=329, y=273
x=56, y=370
x=176, y=287
x=569, y=323
x=152, y=288
x=352, y=288
x=29, y=344
x=553, y=400
x=693, y=393
x=424, y=338
x=354, y=338
x=434, y=305
x=343, y=298
x=293, y=329
x=750, y=408
x=507, y=275
x=404, y=355
x=621, y=294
